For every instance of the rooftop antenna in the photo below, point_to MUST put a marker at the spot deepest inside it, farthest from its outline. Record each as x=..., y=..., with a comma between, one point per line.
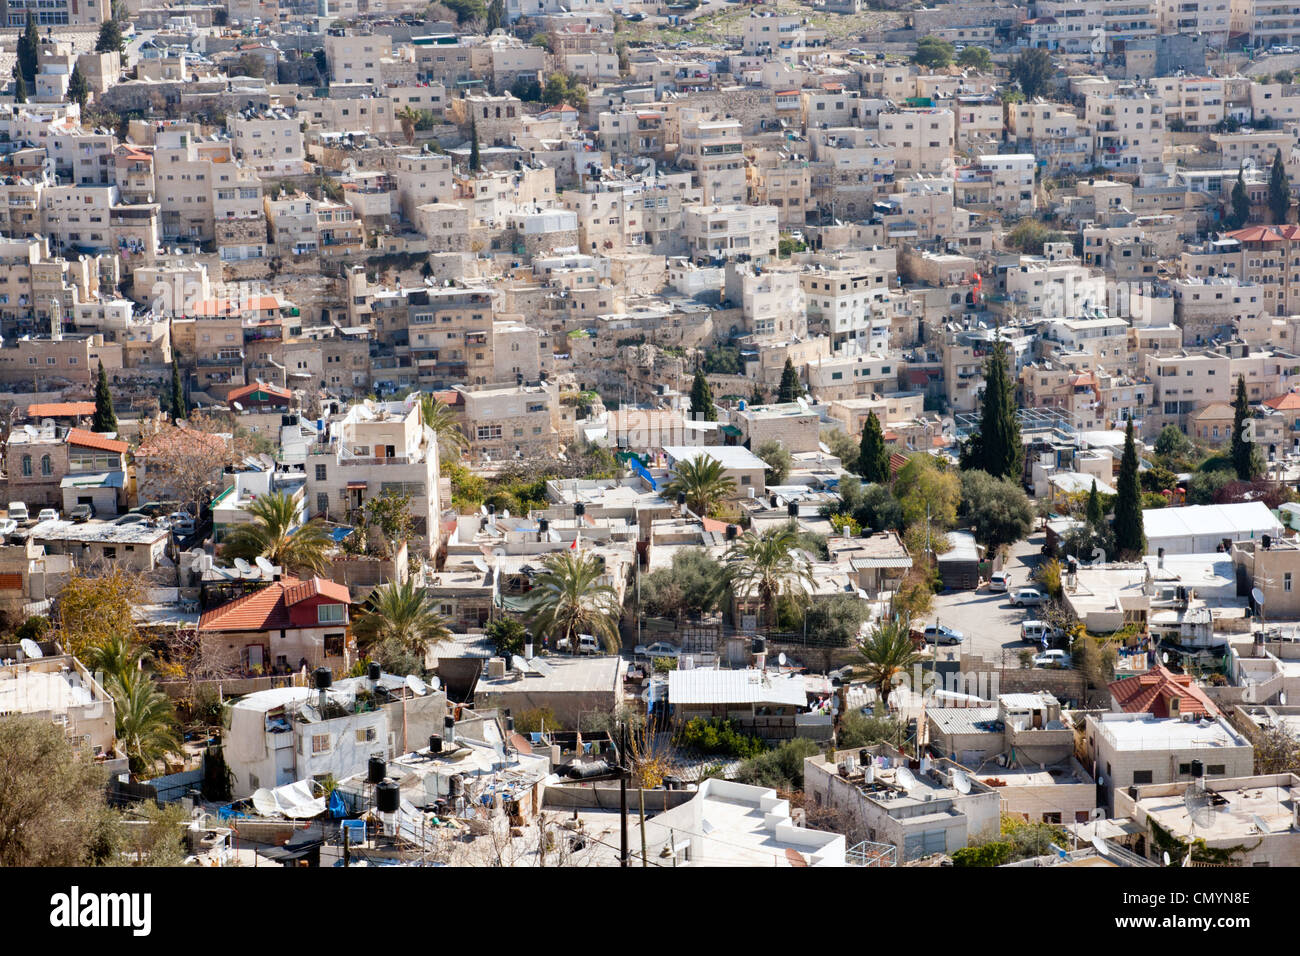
x=1199, y=808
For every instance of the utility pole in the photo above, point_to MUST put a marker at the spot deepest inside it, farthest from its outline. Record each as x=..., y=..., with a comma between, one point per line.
x=641, y=793
x=622, y=796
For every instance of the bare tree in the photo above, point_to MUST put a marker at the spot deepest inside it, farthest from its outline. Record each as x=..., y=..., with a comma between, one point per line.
x=185, y=462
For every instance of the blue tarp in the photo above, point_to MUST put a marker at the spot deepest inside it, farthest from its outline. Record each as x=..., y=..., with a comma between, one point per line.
x=336, y=806
x=338, y=534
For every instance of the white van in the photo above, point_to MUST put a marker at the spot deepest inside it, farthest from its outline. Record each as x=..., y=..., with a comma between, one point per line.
x=18, y=512
x=587, y=644
x=1034, y=631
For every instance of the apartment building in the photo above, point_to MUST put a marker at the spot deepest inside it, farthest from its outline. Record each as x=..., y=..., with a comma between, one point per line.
x=1128, y=128
x=998, y=184
x=513, y=421
x=922, y=139
x=374, y=448
x=269, y=142
x=727, y=232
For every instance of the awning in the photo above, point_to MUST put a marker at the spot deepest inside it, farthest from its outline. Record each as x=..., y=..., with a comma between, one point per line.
x=357, y=485
x=731, y=430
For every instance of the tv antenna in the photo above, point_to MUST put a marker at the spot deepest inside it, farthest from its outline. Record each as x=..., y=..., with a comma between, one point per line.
x=1199, y=807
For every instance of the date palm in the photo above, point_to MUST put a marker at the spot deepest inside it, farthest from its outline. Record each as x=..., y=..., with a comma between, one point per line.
x=703, y=481
x=274, y=534
x=766, y=565
x=438, y=416
x=117, y=657
x=888, y=652
x=568, y=599
x=408, y=118
x=146, y=723
x=403, y=615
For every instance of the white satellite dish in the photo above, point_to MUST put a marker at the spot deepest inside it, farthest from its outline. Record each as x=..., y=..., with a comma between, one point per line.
x=1281, y=699
x=266, y=567
x=1165, y=657
x=1166, y=857
x=30, y=648
x=238, y=407
x=482, y=510
x=903, y=778
x=1100, y=846
x=519, y=664
x=1258, y=595
x=780, y=658
x=416, y=686
x=505, y=513
x=480, y=564
x=961, y=781
x=1260, y=824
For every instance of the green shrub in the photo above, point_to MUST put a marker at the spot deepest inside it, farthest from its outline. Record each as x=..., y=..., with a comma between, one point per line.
x=719, y=736
x=780, y=768
x=987, y=854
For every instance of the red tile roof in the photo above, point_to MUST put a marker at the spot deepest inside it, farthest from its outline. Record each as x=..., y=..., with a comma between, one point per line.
x=1148, y=694
x=1255, y=234
x=1285, y=401
x=84, y=439
x=268, y=609
x=273, y=390
x=60, y=409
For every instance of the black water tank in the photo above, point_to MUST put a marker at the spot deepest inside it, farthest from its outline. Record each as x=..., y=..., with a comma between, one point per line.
x=1198, y=768
x=378, y=770
x=758, y=646
x=543, y=525
x=681, y=498
x=323, y=678
x=772, y=500
x=510, y=725
x=388, y=797
x=792, y=509
x=732, y=532
x=579, y=509
x=673, y=783
x=374, y=670
x=435, y=743
x=491, y=508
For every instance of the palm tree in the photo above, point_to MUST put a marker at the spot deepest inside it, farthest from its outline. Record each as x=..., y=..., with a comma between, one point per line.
x=568, y=599
x=438, y=416
x=274, y=534
x=146, y=723
x=703, y=481
x=766, y=565
x=408, y=117
x=888, y=652
x=116, y=658
x=402, y=614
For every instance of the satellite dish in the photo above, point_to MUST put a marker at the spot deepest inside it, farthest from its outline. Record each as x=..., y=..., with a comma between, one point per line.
x=267, y=568
x=519, y=664
x=416, y=686
x=780, y=658
x=505, y=513
x=1281, y=699
x=1100, y=846
x=1258, y=595
x=1166, y=857
x=903, y=778
x=30, y=648
x=480, y=564
x=238, y=407
x=1165, y=657
x=1260, y=824
x=961, y=781
x=482, y=510
x=1197, y=801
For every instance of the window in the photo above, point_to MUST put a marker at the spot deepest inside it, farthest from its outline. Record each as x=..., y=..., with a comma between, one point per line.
x=1051, y=818
x=366, y=734
x=27, y=466
x=330, y=613
x=320, y=472
x=1141, y=776
x=1215, y=770
x=1286, y=582
x=333, y=645
x=47, y=468
x=320, y=743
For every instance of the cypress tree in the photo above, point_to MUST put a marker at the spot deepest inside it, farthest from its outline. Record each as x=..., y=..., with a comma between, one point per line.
x=78, y=88
x=105, y=420
x=29, y=45
x=110, y=38
x=1240, y=213
x=873, y=459
x=1094, y=514
x=996, y=447
x=20, y=88
x=1244, y=450
x=791, y=387
x=1279, y=190
x=756, y=397
x=1130, y=539
x=475, y=164
x=702, y=407
x=178, y=409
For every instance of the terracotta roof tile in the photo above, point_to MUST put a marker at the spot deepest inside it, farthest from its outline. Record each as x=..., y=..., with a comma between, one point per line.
x=84, y=439
x=268, y=609
x=60, y=409
x=1148, y=694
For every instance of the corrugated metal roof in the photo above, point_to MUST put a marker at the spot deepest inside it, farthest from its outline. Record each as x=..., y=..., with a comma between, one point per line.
x=964, y=720
x=862, y=564
x=734, y=687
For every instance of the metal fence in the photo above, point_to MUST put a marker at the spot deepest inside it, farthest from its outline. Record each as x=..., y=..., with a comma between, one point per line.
x=867, y=853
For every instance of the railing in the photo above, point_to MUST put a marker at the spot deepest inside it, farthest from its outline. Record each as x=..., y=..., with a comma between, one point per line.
x=867, y=853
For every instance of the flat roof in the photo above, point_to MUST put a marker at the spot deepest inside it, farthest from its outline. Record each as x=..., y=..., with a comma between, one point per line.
x=730, y=456
x=565, y=675
x=748, y=686
x=99, y=531
x=1168, y=733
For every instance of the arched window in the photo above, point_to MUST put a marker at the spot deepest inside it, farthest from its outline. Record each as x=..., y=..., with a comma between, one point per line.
x=27, y=466
x=47, y=466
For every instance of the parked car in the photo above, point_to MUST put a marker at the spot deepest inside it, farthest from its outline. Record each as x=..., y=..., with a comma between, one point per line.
x=18, y=512
x=1000, y=581
x=182, y=523
x=587, y=644
x=7, y=527
x=1034, y=631
x=80, y=513
x=47, y=514
x=161, y=522
x=1028, y=597
x=1053, y=658
x=943, y=634
x=125, y=519
x=657, y=649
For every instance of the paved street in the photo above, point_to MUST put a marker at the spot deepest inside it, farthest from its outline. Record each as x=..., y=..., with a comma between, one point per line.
x=986, y=618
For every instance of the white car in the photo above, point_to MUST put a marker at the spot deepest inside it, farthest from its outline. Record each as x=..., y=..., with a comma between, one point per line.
x=7, y=526
x=18, y=512
x=47, y=514
x=587, y=644
x=999, y=581
x=181, y=523
x=1053, y=658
